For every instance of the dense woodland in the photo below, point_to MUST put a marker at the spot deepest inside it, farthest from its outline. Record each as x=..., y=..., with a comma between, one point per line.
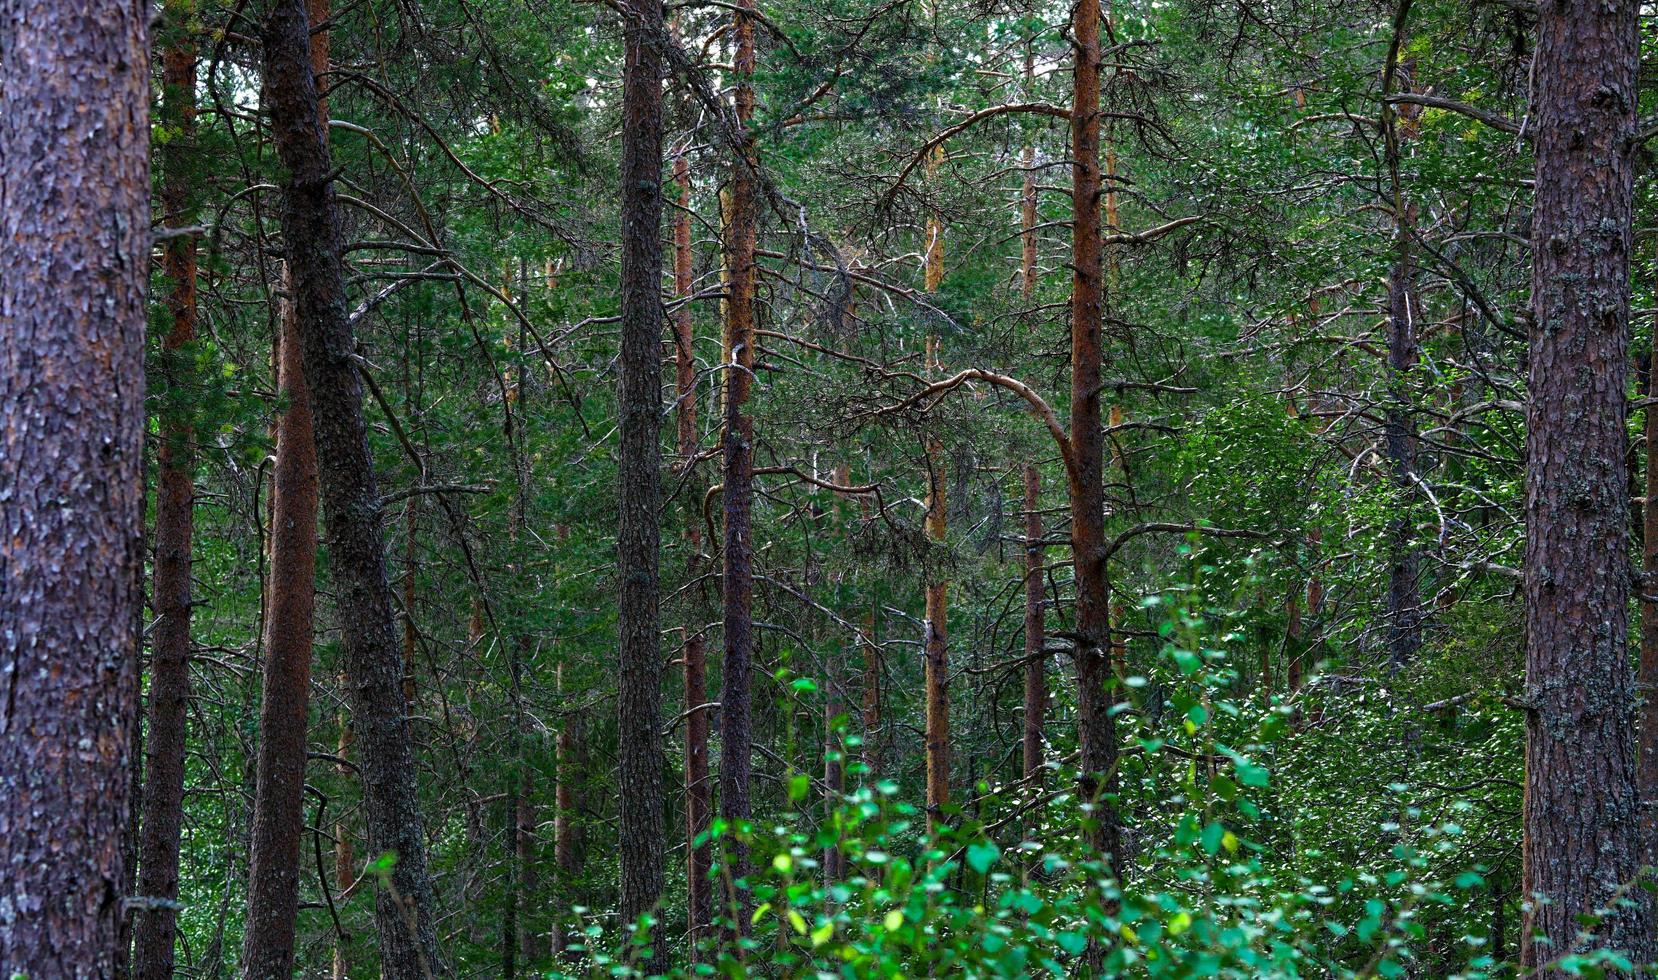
x=857, y=488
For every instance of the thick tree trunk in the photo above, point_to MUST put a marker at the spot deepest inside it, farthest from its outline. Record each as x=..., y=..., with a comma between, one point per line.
x=351, y=499
x=1036, y=674
x=163, y=819
x=1582, y=821
x=75, y=243
x=699, y=791
x=639, y=404
x=737, y=494
x=1096, y=727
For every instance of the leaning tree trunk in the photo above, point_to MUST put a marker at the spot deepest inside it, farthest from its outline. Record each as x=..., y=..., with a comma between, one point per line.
x=351, y=500
x=1096, y=726
x=1647, y=672
x=75, y=244
x=279, y=793
x=638, y=474
x=163, y=818
x=1582, y=822
x=737, y=493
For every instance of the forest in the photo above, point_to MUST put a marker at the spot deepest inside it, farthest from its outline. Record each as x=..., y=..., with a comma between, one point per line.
x=853, y=488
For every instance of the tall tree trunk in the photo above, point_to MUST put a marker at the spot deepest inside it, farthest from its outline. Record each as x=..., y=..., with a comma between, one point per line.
x=351, y=500
x=345, y=871
x=1096, y=726
x=737, y=494
x=639, y=404
x=1647, y=673
x=278, y=814
x=1582, y=820
x=1404, y=601
x=566, y=840
x=699, y=800
x=1036, y=676
x=163, y=819
x=75, y=242
x=936, y=647
x=279, y=795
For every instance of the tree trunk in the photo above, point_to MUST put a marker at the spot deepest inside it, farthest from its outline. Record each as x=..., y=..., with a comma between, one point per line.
x=1036, y=675
x=278, y=809
x=737, y=494
x=699, y=802
x=639, y=404
x=1647, y=676
x=279, y=796
x=351, y=499
x=1582, y=821
x=1404, y=601
x=1096, y=727
x=163, y=819
x=75, y=226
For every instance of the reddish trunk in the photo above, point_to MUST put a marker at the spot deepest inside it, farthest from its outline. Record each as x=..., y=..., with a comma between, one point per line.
x=699, y=792
x=163, y=818
x=278, y=814
x=1096, y=727
x=75, y=226
x=351, y=499
x=1582, y=819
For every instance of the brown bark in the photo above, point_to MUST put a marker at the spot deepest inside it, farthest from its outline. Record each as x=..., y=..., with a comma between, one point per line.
x=279, y=796
x=737, y=496
x=351, y=499
x=163, y=819
x=1036, y=674
x=1096, y=727
x=344, y=861
x=278, y=814
x=699, y=791
x=639, y=461
x=1647, y=671
x=74, y=241
x=566, y=842
x=1582, y=820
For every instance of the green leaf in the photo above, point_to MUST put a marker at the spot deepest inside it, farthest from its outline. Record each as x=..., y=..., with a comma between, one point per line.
x=981, y=856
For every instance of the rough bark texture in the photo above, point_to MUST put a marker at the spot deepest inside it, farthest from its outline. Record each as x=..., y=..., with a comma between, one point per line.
x=1582, y=826
x=162, y=825
x=936, y=675
x=74, y=243
x=1647, y=676
x=737, y=495
x=1036, y=678
x=278, y=808
x=351, y=500
x=699, y=791
x=1096, y=727
x=638, y=474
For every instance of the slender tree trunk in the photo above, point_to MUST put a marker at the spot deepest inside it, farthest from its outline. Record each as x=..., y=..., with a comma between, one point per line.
x=1404, y=601
x=75, y=242
x=737, y=494
x=345, y=871
x=1582, y=819
x=351, y=499
x=1097, y=728
x=278, y=809
x=639, y=403
x=566, y=843
x=699, y=799
x=936, y=648
x=1647, y=676
x=279, y=795
x=163, y=819
x=1036, y=675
